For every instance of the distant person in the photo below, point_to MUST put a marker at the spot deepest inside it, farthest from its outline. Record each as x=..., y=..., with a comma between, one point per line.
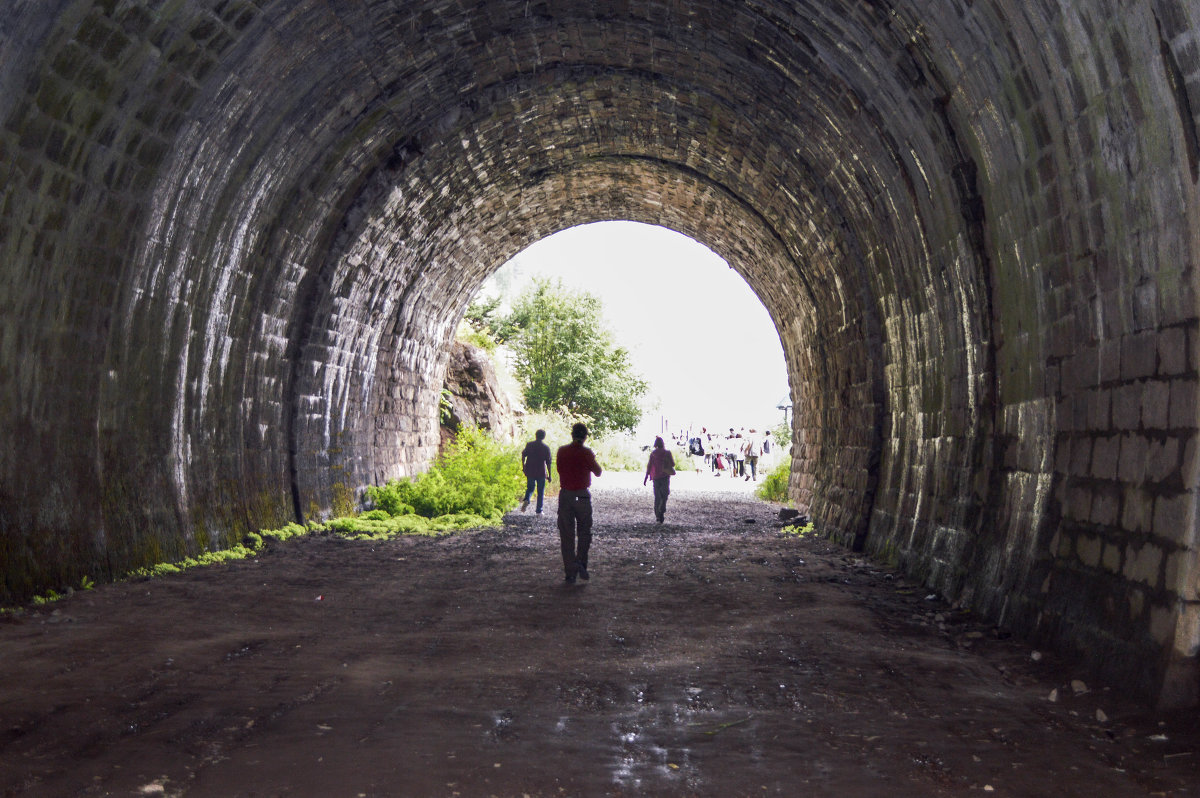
x=752, y=451
x=576, y=464
x=739, y=455
x=535, y=463
x=659, y=469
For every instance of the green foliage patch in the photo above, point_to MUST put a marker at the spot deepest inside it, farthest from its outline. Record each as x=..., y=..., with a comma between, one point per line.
x=806, y=531
x=565, y=357
x=476, y=476
x=362, y=528
x=782, y=435
x=774, y=487
x=239, y=552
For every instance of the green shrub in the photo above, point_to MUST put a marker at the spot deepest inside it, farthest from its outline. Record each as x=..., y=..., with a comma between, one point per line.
x=685, y=462
x=284, y=533
x=476, y=475
x=476, y=338
x=782, y=435
x=619, y=451
x=774, y=487
x=557, y=424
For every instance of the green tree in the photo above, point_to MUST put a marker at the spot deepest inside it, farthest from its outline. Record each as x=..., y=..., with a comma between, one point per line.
x=566, y=358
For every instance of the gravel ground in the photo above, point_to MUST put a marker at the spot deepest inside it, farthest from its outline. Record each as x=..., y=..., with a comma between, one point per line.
x=708, y=656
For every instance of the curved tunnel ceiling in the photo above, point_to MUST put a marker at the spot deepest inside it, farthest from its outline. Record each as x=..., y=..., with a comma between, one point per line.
x=968, y=220
x=394, y=142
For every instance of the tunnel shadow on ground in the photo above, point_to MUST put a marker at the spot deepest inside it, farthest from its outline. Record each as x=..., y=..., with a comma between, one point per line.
x=237, y=237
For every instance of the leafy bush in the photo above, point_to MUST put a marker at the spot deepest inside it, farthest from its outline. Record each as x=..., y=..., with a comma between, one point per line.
x=774, y=487
x=557, y=424
x=476, y=475
x=565, y=356
x=619, y=452
x=782, y=435
x=685, y=462
x=478, y=338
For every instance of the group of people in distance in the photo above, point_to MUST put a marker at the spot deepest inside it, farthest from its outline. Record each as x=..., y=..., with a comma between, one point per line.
x=736, y=454
x=576, y=464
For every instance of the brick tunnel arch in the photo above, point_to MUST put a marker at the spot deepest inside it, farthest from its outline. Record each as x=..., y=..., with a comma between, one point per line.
x=237, y=235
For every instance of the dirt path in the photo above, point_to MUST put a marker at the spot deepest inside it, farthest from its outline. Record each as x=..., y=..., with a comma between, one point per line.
x=710, y=656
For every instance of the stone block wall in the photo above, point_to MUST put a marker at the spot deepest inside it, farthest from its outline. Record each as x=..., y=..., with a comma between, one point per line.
x=236, y=237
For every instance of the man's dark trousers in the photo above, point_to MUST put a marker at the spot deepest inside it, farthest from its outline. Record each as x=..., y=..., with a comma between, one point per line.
x=575, y=529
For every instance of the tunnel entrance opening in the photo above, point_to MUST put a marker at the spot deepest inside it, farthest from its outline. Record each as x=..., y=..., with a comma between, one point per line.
x=693, y=328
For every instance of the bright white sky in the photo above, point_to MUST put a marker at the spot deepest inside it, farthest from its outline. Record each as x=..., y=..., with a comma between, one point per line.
x=694, y=329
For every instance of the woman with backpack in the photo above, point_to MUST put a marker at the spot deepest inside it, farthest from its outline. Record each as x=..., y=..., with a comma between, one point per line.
x=659, y=469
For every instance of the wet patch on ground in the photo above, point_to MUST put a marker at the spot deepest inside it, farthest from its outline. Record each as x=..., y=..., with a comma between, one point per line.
x=706, y=656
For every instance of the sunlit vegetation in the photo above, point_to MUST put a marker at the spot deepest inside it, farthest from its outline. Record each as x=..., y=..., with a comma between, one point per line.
x=774, y=487
x=476, y=477
x=615, y=451
x=805, y=531
x=565, y=356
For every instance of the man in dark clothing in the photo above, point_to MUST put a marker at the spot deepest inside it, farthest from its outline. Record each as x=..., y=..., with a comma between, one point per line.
x=576, y=464
x=535, y=462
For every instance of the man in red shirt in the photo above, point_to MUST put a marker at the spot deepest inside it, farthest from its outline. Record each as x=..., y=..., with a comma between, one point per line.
x=575, y=463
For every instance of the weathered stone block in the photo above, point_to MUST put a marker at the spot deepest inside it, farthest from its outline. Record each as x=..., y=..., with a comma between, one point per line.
x=1137, y=603
x=1099, y=402
x=1182, y=575
x=1137, y=510
x=1106, y=455
x=1156, y=402
x=1162, y=624
x=1111, y=560
x=1076, y=370
x=1174, y=519
x=1145, y=306
x=1081, y=457
x=1088, y=549
x=1172, y=351
x=1105, y=507
x=1162, y=460
x=1132, y=467
x=1110, y=361
x=1183, y=413
x=1138, y=355
x=1127, y=406
x=1144, y=564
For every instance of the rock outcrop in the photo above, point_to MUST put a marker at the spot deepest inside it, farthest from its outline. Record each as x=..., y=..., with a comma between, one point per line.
x=472, y=395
